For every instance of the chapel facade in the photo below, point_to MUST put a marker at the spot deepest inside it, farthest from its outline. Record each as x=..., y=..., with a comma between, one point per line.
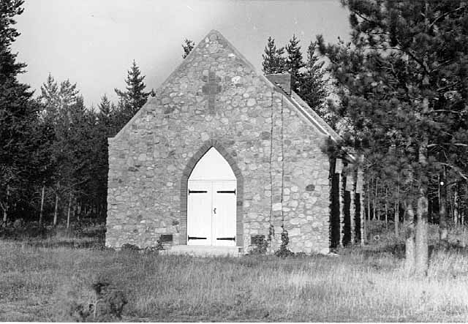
x=223, y=156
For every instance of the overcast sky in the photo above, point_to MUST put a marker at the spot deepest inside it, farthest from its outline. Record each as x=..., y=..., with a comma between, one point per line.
x=93, y=42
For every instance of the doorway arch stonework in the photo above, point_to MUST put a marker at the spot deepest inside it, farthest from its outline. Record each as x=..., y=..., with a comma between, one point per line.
x=184, y=190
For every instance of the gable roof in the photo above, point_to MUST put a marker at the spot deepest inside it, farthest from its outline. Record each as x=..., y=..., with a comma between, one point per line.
x=186, y=61
x=309, y=114
x=293, y=100
x=296, y=101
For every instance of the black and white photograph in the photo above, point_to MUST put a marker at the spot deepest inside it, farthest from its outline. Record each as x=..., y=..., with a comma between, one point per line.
x=234, y=161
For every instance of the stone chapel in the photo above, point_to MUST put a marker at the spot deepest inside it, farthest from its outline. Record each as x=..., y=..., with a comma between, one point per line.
x=222, y=157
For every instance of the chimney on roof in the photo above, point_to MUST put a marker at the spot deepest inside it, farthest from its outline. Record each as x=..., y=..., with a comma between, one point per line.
x=282, y=80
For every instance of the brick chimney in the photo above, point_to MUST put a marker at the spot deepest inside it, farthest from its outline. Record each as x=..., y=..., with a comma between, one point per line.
x=282, y=80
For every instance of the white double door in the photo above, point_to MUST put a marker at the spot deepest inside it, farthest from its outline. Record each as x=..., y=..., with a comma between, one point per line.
x=211, y=217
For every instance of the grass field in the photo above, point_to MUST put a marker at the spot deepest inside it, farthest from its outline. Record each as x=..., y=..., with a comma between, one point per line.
x=48, y=283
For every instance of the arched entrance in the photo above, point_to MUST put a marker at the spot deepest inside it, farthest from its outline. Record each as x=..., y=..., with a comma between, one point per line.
x=211, y=202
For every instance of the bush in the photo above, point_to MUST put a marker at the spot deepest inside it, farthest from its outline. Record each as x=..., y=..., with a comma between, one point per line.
x=80, y=301
x=283, y=251
x=260, y=245
x=110, y=301
x=129, y=247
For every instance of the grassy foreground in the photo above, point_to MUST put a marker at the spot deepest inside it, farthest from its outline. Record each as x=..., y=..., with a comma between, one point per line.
x=45, y=283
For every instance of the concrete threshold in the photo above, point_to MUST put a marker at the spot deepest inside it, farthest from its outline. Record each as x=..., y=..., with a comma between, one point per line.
x=204, y=251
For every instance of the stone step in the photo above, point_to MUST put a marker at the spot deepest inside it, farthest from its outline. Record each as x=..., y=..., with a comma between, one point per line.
x=203, y=251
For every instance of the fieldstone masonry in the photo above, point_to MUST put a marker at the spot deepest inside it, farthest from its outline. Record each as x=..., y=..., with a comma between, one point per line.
x=215, y=98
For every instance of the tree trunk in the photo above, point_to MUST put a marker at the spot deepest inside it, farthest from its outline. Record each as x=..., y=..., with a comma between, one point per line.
x=386, y=209
x=342, y=192
x=409, y=221
x=465, y=209
x=6, y=206
x=463, y=244
x=362, y=218
x=462, y=210
x=353, y=205
x=334, y=205
x=5, y=216
x=397, y=210
x=360, y=202
x=76, y=211
x=455, y=206
x=374, y=203
x=422, y=251
x=41, y=212
x=396, y=219
x=443, y=232
x=68, y=211
x=56, y=209
x=368, y=217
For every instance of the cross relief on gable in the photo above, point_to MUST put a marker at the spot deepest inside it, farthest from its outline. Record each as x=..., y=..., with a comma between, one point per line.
x=211, y=88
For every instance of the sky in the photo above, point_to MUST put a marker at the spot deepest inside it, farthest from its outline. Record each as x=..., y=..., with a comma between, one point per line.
x=94, y=42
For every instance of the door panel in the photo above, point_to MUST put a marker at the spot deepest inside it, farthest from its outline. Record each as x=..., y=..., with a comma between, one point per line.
x=199, y=208
x=224, y=213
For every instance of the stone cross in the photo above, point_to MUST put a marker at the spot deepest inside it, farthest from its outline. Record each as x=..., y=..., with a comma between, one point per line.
x=211, y=89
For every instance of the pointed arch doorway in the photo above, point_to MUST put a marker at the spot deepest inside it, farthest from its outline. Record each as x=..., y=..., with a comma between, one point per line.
x=211, y=202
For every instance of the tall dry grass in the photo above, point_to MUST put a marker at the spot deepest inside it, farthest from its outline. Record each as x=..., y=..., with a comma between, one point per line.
x=360, y=285
x=44, y=284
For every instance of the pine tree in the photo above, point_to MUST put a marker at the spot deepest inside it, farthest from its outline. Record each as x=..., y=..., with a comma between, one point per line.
x=312, y=87
x=17, y=117
x=105, y=107
x=106, y=115
x=402, y=83
x=187, y=47
x=294, y=63
x=131, y=100
x=307, y=78
x=273, y=61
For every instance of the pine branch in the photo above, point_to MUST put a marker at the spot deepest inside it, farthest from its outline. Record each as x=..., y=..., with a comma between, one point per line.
x=444, y=15
x=444, y=111
x=448, y=144
x=456, y=169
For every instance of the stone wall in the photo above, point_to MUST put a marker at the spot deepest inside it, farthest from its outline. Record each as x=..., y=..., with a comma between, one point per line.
x=215, y=97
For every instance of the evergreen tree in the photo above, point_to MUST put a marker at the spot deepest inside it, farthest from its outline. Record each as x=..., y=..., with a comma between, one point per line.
x=131, y=100
x=80, y=171
x=403, y=84
x=312, y=87
x=273, y=61
x=307, y=78
x=17, y=118
x=294, y=63
x=106, y=116
x=105, y=107
x=104, y=128
x=187, y=47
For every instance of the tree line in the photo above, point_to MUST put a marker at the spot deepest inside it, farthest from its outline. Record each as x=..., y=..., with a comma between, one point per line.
x=53, y=149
